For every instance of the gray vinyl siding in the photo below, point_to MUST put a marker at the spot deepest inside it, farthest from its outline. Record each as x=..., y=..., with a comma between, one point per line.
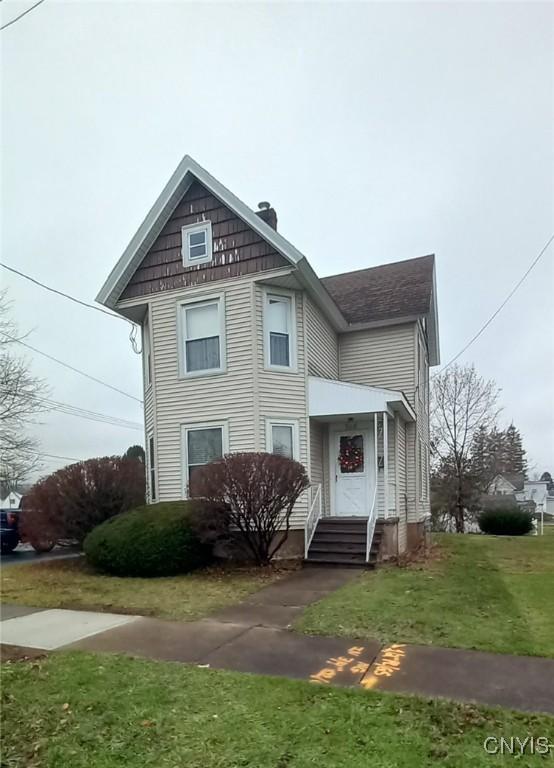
x=387, y=357
x=219, y=399
x=379, y=357
x=319, y=461
x=423, y=430
x=149, y=431
x=391, y=439
x=400, y=431
x=283, y=395
x=322, y=344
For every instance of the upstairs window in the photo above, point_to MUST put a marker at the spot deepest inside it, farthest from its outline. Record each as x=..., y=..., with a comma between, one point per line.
x=197, y=243
x=279, y=331
x=202, y=338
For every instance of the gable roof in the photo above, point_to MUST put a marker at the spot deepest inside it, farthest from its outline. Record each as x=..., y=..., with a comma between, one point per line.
x=393, y=292
x=515, y=479
x=187, y=171
x=387, y=292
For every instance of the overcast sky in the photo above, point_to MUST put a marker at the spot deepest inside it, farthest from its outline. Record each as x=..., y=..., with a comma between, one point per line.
x=379, y=132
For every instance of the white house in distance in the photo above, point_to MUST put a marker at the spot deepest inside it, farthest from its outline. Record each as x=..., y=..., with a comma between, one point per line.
x=245, y=348
x=524, y=491
x=11, y=501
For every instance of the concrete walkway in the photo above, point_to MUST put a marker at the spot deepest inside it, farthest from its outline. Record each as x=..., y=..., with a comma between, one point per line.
x=255, y=637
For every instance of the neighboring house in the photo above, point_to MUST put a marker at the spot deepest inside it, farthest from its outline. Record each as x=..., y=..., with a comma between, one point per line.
x=246, y=349
x=11, y=501
x=506, y=484
x=527, y=493
x=537, y=492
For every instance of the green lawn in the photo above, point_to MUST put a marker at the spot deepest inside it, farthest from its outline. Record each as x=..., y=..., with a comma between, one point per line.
x=75, y=710
x=483, y=592
x=72, y=584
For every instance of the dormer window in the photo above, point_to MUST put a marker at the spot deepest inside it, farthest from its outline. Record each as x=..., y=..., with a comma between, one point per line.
x=197, y=243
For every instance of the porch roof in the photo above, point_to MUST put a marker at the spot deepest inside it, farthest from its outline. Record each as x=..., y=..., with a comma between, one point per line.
x=327, y=398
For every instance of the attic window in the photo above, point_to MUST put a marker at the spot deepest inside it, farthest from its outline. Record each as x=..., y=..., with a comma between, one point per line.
x=197, y=243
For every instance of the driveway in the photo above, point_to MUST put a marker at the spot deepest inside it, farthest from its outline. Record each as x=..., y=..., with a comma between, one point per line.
x=24, y=553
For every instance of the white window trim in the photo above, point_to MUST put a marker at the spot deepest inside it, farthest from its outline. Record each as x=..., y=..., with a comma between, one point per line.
x=190, y=229
x=280, y=293
x=277, y=422
x=148, y=372
x=218, y=298
x=152, y=468
x=185, y=429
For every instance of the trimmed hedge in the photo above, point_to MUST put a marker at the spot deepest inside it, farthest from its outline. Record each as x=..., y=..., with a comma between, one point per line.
x=154, y=540
x=509, y=521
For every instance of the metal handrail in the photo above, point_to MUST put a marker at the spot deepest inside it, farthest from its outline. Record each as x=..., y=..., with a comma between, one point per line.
x=371, y=525
x=312, y=520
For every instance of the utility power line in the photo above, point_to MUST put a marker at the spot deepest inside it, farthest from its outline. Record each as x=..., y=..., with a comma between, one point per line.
x=71, y=367
x=500, y=308
x=21, y=15
x=65, y=295
x=83, y=413
x=64, y=458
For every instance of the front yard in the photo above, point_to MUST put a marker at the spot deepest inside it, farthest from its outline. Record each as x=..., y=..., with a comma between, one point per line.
x=79, y=710
x=73, y=584
x=482, y=592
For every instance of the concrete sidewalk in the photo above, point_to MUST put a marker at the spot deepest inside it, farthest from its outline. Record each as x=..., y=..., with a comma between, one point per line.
x=255, y=637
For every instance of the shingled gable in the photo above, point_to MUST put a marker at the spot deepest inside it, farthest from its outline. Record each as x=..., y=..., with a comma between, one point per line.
x=186, y=173
x=392, y=292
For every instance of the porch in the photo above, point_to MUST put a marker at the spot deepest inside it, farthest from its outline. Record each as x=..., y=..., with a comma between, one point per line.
x=357, y=501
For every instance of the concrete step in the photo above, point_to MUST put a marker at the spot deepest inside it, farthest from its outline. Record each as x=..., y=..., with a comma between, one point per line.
x=344, y=528
x=348, y=536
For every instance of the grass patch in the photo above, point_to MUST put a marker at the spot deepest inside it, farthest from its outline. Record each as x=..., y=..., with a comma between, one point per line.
x=73, y=584
x=80, y=710
x=482, y=592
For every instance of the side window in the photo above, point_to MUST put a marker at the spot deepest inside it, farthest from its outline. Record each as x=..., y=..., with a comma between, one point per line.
x=152, y=468
x=202, y=445
x=146, y=352
x=280, y=337
x=196, y=245
x=201, y=338
x=282, y=438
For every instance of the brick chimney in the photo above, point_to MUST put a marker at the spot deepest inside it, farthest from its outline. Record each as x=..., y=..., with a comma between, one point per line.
x=268, y=214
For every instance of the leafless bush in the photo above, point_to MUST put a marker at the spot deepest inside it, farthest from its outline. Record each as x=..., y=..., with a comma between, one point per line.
x=256, y=493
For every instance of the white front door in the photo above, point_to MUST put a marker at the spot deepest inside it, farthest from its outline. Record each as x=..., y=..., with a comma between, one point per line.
x=352, y=473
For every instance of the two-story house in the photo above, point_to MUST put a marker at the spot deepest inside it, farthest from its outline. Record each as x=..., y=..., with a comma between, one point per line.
x=246, y=349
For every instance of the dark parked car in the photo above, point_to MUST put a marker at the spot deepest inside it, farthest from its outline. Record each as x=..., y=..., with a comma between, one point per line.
x=9, y=532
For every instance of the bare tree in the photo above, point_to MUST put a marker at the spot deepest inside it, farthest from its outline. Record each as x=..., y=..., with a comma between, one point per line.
x=462, y=403
x=21, y=400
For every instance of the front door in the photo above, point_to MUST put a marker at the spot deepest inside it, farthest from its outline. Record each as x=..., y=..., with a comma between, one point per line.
x=352, y=473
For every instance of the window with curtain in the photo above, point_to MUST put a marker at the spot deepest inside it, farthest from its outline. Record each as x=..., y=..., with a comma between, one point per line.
x=202, y=336
x=279, y=325
x=282, y=438
x=203, y=445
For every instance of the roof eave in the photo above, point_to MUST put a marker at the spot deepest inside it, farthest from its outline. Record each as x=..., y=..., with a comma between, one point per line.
x=433, y=324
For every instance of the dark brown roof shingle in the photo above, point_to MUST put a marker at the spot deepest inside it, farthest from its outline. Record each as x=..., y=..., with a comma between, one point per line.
x=386, y=292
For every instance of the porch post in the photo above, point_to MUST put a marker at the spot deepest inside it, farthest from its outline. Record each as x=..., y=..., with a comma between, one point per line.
x=386, y=462
x=376, y=455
